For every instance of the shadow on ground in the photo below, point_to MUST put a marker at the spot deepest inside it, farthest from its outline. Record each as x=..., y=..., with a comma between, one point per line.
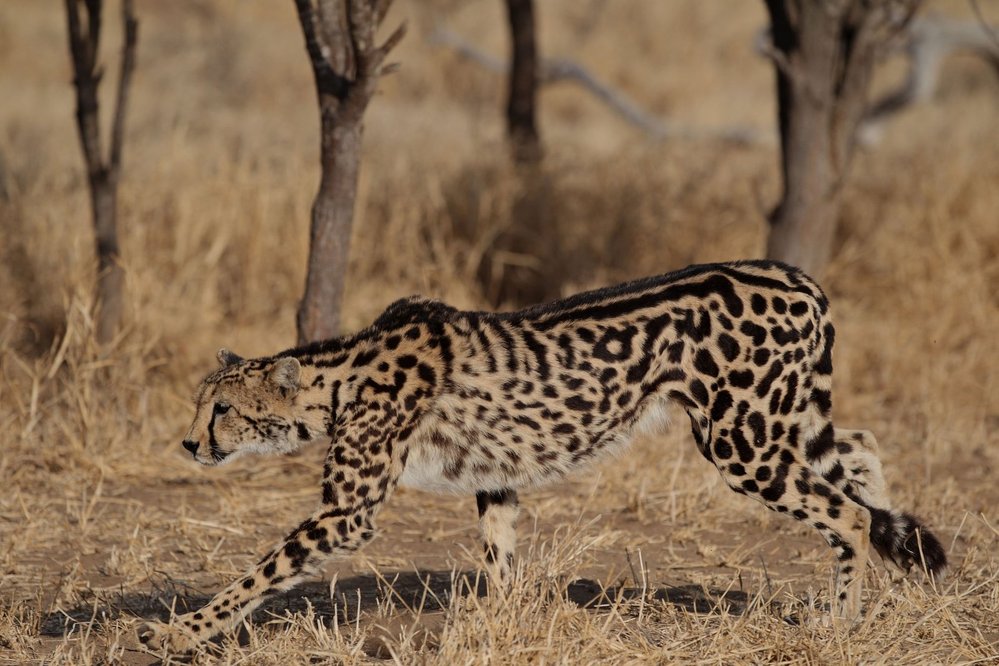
x=427, y=591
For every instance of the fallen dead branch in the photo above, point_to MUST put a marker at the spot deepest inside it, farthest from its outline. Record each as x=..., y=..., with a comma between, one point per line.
x=927, y=44
x=557, y=70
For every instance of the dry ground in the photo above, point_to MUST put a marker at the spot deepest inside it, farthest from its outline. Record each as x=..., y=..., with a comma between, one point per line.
x=647, y=558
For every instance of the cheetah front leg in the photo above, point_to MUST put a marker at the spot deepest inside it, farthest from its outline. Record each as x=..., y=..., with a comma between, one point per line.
x=498, y=523
x=327, y=533
x=356, y=484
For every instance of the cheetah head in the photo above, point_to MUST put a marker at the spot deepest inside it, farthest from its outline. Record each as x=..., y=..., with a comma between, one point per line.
x=249, y=406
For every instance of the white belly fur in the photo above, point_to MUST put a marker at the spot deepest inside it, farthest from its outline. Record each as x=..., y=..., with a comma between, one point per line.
x=426, y=462
x=425, y=471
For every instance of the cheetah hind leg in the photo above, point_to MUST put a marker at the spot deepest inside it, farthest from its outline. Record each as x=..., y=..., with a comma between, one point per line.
x=843, y=523
x=497, y=521
x=789, y=485
x=898, y=537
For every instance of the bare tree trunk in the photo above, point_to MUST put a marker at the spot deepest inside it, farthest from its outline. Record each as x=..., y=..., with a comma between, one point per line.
x=110, y=275
x=522, y=128
x=102, y=174
x=824, y=52
x=512, y=269
x=4, y=187
x=346, y=64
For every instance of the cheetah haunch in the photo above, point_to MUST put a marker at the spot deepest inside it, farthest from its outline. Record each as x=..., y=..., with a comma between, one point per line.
x=472, y=402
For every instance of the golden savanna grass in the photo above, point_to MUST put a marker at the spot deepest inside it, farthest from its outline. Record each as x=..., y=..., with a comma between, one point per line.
x=102, y=519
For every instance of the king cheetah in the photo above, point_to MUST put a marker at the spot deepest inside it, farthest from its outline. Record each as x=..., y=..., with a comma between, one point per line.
x=488, y=404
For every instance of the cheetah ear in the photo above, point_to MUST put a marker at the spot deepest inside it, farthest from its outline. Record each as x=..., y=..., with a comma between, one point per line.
x=285, y=373
x=226, y=357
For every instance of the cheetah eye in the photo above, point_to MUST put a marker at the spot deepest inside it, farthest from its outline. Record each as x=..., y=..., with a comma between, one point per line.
x=222, y=407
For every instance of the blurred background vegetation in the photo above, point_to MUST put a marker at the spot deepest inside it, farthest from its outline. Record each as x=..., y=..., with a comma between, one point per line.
x=221, y=161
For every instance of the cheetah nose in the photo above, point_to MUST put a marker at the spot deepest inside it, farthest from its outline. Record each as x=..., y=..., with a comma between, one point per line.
x=191, y=446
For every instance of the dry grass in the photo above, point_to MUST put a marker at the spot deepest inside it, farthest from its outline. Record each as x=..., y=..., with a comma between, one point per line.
x=102, y=519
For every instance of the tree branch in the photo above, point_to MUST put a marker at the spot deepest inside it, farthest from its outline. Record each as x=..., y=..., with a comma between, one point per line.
x=927, y=43
x=554, y=70
x=307, y=19
x=389, y=44
x=131, y=26
x=328, y=81
x=94, y=16
x=361, y=17
x=361, y=31
x=365, y=17
x=83, y=53
x=765, y=46
x=986, y=26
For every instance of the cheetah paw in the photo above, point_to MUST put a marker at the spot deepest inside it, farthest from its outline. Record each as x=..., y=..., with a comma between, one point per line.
x=156, y=636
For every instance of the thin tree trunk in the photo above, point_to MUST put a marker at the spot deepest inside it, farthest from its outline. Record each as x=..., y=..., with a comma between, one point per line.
x=346, y=65
x=824, y=52
x=330, y=232
x=506, y=282
x=803, y=223
x=102, y=173
x=521, y=109
x=110, y=274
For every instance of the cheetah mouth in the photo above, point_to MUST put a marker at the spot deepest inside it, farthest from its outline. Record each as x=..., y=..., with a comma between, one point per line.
x=216, y=456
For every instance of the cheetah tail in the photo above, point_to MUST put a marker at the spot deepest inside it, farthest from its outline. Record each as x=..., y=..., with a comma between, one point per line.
x=903, y=539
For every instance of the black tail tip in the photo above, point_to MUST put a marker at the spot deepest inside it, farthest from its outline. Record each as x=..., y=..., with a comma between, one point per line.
x=903, y=539
x=926, y=549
